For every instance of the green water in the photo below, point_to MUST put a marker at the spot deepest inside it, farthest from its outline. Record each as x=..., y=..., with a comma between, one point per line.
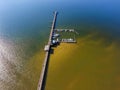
x=24, y=30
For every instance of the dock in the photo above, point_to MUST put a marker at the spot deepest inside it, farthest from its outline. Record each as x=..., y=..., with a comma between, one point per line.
x=42, y=80
x=67, y=30
x=70, y=40
x=52, y=41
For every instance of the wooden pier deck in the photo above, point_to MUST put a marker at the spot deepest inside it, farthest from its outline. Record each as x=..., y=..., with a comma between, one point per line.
x=42, y=80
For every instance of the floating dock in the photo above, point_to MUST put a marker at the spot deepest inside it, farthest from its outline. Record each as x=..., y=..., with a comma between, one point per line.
x=67, y=30
x=68, y=40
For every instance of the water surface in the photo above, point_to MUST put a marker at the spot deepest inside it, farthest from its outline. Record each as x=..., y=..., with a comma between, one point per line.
x=24, y=30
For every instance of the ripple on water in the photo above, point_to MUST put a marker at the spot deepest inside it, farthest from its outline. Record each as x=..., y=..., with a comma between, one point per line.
x=10, y=63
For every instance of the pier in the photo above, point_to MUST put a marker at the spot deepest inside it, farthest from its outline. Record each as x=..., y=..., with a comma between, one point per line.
x=53, y=41
x=41, y=84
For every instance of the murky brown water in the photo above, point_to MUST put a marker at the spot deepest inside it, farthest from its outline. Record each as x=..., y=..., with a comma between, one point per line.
x=91, y=64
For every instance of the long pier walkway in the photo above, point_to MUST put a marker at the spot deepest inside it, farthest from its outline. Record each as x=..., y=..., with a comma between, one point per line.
x=42, y=80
